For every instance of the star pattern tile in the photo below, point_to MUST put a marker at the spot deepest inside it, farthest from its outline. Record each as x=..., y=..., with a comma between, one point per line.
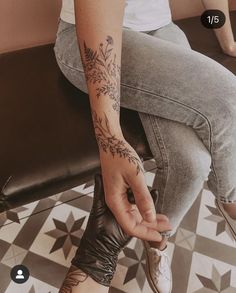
x=32, y=290
x=134, y=260
x=217, y=282
x=216, y=218
x=61, y=232
x=11, y=215
x=67, y=233
x=185, y=239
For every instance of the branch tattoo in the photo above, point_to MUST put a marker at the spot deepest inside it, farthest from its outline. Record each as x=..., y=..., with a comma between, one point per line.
x=102, y=69
x=109, y=143
x=74, y=277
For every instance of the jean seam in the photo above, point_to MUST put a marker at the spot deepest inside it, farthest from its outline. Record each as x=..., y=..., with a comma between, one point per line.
x=161, y=144
x=191, y=109
x=67, y=65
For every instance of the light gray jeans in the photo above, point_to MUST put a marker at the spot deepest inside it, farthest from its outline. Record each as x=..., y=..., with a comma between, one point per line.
x=187, y=105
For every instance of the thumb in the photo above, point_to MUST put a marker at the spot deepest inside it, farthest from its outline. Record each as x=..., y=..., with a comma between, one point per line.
x=143, y=198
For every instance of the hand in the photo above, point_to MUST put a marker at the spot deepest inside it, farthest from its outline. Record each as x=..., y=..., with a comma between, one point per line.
x=231, y=50
x=122, y=169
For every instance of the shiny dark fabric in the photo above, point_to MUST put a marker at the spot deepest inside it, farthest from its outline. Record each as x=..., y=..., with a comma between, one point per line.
x=102, y=240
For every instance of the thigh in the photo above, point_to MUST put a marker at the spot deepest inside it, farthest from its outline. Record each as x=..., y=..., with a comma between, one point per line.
x=170, y=81
x=158, y=77
x=173, y=34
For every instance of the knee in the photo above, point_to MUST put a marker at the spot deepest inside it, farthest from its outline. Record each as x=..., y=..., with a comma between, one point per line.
x=225, y=117
x=196, y=165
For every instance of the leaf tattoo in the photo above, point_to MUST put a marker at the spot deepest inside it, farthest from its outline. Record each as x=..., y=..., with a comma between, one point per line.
x=73, y=278
x=109, y=143
x=102, y=69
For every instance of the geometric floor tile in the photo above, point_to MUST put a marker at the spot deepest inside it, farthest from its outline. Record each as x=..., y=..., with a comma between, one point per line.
x=210, y=223
x=180, y=265
x=4, y=277
x=4, y=246
x=60, y=233
x=210, y=275
x=11, y=215
x=66, y=234
x=216, y=281
x=14, y=215
x=216, y=218
x=45, y=234
x=185, y=239
x=134, y=261
x=32, y=285
x=14, y=255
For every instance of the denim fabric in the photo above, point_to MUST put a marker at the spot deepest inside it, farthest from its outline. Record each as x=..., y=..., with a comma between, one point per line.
x=187, y=105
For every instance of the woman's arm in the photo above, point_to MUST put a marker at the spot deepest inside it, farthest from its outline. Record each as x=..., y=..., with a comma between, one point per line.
x=224, y=34
x=99, y=33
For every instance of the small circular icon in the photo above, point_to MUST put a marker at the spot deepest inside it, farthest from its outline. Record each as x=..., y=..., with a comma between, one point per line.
x=213, y=19
x=19, y=274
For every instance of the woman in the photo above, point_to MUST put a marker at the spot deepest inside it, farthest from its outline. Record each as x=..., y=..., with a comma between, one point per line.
x=186, y=102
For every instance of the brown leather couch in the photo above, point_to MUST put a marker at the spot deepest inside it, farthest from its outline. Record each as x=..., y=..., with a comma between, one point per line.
x=47, y=141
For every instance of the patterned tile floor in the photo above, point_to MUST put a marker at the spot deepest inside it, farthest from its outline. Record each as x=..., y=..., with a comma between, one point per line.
x=44, y=235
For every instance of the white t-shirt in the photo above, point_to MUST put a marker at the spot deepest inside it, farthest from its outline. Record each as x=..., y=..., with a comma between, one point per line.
x=139, y=15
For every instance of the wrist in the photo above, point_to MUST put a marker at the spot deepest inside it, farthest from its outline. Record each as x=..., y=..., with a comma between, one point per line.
x=110, y=144
x=116, y=131
x=115, y=134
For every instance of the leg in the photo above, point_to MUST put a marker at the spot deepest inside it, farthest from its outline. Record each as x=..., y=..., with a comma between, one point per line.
x=183, y=164
x=77, y=281
x=173, y=34
x=156, y=137
x=186, y=87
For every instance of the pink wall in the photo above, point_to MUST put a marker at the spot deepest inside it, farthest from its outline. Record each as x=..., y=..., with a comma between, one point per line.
x=28, y=23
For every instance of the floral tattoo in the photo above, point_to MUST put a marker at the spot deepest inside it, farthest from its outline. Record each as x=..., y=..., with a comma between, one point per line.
x=102, y=69
x=109, y=143
x=74, y=277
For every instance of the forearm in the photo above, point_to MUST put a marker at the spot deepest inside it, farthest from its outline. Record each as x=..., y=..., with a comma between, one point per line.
x=224, y=34
x=99, y=34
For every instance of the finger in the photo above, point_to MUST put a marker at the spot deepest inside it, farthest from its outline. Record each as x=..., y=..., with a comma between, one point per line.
x=136, y=227
x=130, y=220
x=161, y=224
x=143, y=198
x=121, y=208
x=145, y=233
x=161, y=217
